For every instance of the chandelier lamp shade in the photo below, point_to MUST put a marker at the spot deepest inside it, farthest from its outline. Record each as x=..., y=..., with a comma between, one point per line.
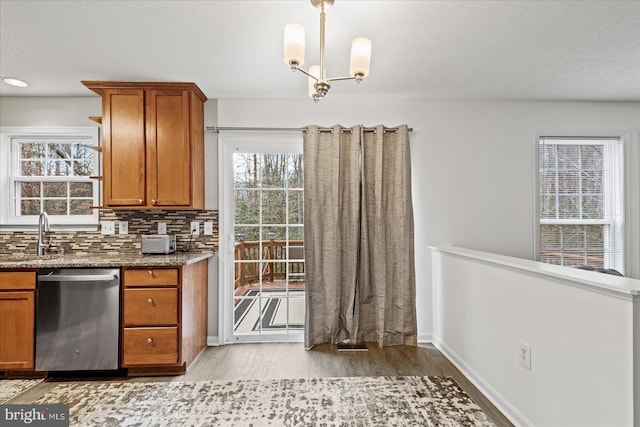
x=294, y=46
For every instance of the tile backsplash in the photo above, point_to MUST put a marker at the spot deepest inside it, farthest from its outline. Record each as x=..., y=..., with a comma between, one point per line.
x=140, y=222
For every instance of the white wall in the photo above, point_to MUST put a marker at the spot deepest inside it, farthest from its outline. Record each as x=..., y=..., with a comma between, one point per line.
x=211, y=202
x=580, y=326
x=473, y=165
x=49, y=111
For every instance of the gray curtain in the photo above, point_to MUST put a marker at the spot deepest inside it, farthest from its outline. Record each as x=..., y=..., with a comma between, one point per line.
x=358, y=220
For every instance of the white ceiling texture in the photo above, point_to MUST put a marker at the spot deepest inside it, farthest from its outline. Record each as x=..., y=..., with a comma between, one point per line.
x=508, y=49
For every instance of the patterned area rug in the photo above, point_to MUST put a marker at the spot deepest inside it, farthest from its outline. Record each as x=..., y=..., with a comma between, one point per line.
x=348, y=401
x=10, y=389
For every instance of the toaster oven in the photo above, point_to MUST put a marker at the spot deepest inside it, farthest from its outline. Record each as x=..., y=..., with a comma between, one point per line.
x=158, y=244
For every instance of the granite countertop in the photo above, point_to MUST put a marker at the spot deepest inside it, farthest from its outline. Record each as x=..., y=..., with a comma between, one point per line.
x=23, y=261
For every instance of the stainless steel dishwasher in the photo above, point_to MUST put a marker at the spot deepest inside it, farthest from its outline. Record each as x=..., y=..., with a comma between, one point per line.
x=77, y=319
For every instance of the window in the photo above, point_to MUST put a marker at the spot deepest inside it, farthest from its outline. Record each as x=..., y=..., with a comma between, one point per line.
x=581, y=202
x=49, y=170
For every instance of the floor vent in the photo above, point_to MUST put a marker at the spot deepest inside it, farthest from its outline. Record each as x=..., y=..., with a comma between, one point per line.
x=345, y=346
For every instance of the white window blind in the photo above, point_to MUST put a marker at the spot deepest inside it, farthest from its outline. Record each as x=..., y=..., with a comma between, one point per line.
x=581, y=202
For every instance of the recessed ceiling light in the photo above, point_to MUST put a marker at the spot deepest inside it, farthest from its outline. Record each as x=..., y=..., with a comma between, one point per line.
x=15, y=82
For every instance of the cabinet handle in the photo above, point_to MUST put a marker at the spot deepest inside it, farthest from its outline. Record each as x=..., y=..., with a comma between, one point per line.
x=149, y=340
x=150, y=273
x=149, y=301
x=139, y=201
x=153, y=201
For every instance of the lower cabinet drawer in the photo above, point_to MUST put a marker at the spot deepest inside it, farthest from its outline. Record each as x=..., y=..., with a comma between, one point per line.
x=150, y=307
x=17, y=280
x=150, y=346
x=150, y=277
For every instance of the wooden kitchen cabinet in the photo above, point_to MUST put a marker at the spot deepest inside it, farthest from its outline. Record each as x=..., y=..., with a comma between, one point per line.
x=17, y=316
x=164, y=318
x=153, y=144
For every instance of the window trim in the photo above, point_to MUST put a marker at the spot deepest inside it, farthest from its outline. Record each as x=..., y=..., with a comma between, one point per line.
x=8, y=137
x=624, y=137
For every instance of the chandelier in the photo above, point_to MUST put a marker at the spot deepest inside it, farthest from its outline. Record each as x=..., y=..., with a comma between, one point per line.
x=318, y=81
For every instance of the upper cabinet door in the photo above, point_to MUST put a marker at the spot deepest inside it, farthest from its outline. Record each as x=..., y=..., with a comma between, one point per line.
x=169, y=148
x=123, y=124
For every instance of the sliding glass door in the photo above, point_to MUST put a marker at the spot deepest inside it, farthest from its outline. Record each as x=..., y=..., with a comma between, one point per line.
x=263, y=213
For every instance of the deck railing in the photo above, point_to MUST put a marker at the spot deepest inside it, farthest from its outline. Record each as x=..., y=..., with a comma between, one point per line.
x=272, y=256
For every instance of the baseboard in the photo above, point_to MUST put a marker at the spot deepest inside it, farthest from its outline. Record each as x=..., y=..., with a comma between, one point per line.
x=213, y=341
x=425, y=338
x=503, y=405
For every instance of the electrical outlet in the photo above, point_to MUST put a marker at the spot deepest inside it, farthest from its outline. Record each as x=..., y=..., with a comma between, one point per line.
x=195, y=228
x=208, y=228
x=162, y=228
x=123, y=227
x=108, y=227
x=524, y=355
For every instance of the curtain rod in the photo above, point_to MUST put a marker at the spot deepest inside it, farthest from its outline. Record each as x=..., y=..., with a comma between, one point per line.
x=218, y=129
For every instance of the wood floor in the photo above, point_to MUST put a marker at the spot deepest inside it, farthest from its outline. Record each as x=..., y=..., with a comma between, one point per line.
x=291, y=360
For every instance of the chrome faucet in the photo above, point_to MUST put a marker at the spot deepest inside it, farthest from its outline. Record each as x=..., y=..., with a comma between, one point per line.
x=43, y=227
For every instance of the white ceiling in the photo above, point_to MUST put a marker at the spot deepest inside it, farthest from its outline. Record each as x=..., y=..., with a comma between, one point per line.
x=539, y=50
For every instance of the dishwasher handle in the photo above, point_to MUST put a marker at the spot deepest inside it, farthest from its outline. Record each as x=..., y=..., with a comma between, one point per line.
x=78, y=278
